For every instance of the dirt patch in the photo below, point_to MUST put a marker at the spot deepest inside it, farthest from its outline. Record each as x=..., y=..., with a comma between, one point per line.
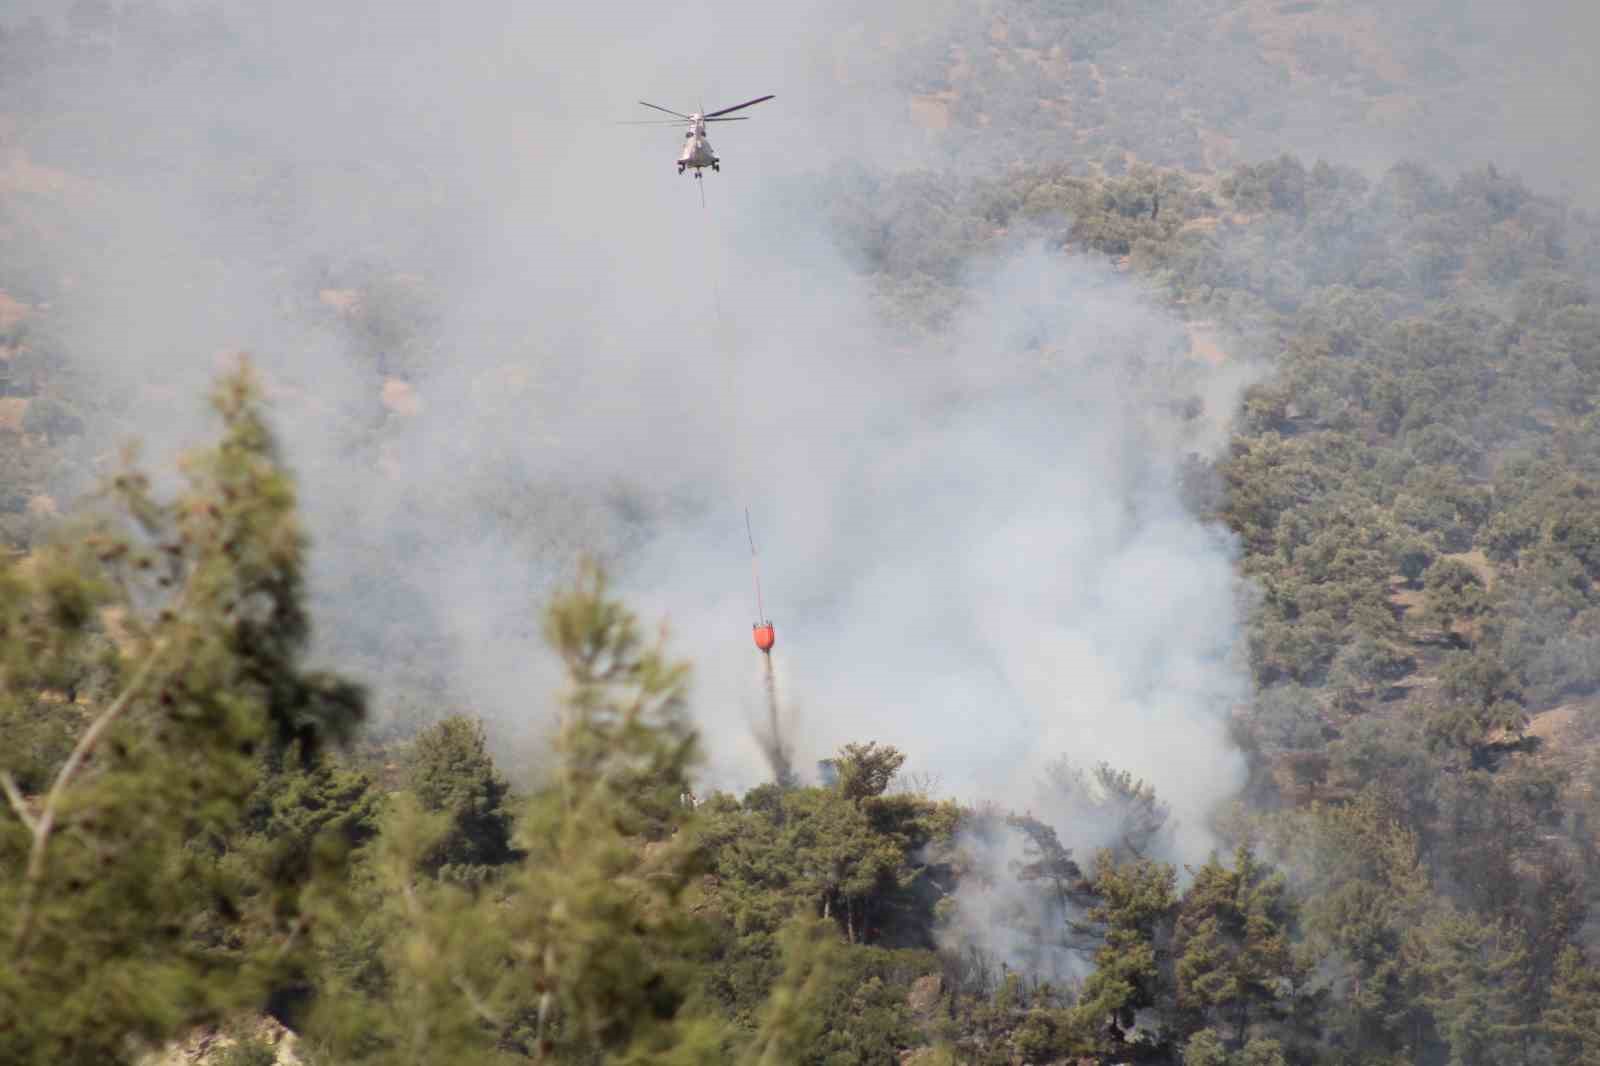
x=13, y=409
x=931, y=112
x=19, y=174
x=1217, y=149
x=401, y=398
x=1099, y=80
x=1395, y=111
x=1060, y=110
x=12, y=311
x=1280, y=28
x=161, y=397
x=344, y=301
x=960, y=65
x=115, y=621
x=925, y=994
x=497, y=389
x=1205, y=343
x=1565, y=736
x=209, y=1044
x=1552, y=725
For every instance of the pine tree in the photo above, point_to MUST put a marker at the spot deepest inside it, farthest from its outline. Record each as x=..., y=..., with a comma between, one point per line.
x=1136, y=903
x=1234, y=961
x=587, y=951
x=1476, y=977
x=1367, y=894
x=452, y=773
x=865, y=770
x=180, y=626
x=1572, y=1020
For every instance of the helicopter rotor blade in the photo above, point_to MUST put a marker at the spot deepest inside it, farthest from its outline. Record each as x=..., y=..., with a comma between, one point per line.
x=651, y=122
x=735, y=118
x=736, y=107
x=668, y=110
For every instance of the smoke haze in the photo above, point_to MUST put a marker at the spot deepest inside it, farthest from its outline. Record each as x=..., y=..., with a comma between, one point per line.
x=973, y=546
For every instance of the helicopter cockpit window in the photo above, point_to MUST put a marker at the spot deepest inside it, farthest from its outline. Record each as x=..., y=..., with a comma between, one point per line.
x=686, y=136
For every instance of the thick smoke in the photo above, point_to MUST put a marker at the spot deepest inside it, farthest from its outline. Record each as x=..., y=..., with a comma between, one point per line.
x=973, y=547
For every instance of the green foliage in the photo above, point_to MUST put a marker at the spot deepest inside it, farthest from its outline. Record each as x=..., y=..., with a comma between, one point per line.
x=1573, y=1017
x=1435, y=363
x=1046, y=1035
x=1233, y=944
x=1474, y=974
x=452, y=773
x=1479, y=697
x=865, y=770
x=302, y=826
x=1134, y=908
x=790, y=1025
x=52, y=418
x=1366, y=894
x=1205, y=1048
x=1286, y=718
x=816, y=852
x=1412, y=559
x=1455, y=592
x=404, y=958
x=589, y=950
x=862, y=1008
x=182, y=624
x=1546, y=627
x=1263, y=1051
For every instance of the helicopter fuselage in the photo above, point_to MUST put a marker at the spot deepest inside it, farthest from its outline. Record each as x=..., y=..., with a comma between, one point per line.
x=697, y=151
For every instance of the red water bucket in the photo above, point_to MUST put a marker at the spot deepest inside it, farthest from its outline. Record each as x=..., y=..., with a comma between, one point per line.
x=765, y=636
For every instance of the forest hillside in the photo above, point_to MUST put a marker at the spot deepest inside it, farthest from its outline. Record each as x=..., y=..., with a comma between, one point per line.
x=1167, y=443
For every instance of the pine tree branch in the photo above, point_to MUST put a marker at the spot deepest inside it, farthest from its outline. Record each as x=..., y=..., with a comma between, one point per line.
x=45, y=824
x=33, y=878
x=479, y=1008
x=295, y=930
x=18, y=804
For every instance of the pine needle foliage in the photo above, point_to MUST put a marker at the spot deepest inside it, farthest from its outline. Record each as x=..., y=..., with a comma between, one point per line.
x=588, y=950
x=1572, y=1019
x=452, y=772
x=167, y=637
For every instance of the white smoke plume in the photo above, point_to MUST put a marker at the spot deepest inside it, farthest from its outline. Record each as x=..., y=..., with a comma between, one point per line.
x=973, y=546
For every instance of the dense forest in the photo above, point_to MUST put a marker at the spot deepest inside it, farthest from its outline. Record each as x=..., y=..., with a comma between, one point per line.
x=217, y=843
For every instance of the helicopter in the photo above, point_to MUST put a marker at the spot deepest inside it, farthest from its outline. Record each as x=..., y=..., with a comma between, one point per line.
x=697, y=152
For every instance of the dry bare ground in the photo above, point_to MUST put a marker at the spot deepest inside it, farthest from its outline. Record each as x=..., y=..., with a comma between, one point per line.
x=1204, y=343
x=13, y=409
x=12, y=310
x=206, y=1045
